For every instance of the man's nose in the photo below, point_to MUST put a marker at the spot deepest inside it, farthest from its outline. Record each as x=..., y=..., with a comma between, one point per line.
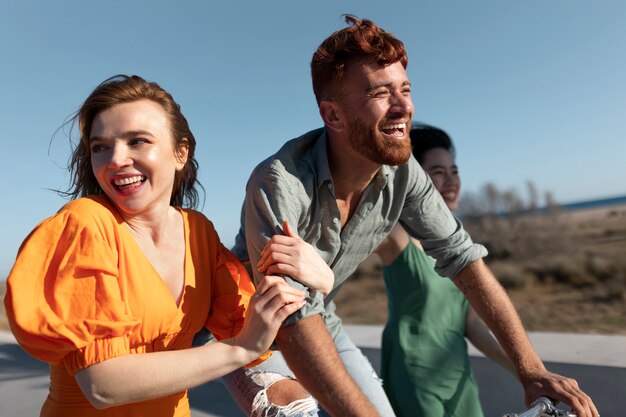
x=402, y=103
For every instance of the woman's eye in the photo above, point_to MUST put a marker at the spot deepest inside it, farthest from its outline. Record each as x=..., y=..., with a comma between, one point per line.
x=96, y=148
x=137, y=141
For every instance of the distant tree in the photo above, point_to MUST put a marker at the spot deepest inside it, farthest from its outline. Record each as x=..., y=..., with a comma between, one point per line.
x=533, y=196
x=551, y=205
x=508, y=224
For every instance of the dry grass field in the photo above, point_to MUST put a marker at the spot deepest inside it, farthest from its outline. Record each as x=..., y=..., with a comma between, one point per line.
x=564, y=271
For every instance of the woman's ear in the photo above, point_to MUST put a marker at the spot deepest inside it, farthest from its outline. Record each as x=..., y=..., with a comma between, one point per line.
x=182, y=152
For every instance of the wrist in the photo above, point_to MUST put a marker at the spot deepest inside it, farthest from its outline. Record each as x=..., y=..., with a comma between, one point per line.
x=529, y=373
x=239, y=354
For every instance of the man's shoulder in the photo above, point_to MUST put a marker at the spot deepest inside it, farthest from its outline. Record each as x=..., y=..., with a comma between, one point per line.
x=409, y=171
x=293, y=157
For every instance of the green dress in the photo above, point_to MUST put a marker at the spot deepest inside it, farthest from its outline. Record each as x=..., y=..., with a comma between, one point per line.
x=425, y=366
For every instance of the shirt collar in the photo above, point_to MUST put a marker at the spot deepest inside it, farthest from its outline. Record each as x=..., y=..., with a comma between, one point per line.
x=320, y=160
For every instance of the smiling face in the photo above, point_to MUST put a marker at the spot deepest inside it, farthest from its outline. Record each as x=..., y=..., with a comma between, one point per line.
x=133, y=156
x=375, y=104
x=440, y=166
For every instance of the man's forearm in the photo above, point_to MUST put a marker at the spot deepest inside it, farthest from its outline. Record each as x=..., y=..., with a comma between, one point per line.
x=482, y=338
x=493, y=305
x=312, y=356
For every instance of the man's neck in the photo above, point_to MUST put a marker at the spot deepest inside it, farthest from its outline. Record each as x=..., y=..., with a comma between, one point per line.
x=351, y=174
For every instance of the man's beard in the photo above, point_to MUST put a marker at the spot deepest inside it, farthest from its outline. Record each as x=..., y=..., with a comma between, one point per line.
x=372, y=145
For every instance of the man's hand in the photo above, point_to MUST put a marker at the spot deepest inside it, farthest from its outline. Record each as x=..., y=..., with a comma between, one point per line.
x=560, y=388
x=493, y=305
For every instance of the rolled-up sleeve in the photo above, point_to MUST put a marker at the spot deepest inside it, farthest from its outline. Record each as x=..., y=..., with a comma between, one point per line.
x=427, y=218
x=270, y=200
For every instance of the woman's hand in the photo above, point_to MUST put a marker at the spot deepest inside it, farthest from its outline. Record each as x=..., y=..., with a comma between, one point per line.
x=272, y=302
x=288, y=254
x=114, y=381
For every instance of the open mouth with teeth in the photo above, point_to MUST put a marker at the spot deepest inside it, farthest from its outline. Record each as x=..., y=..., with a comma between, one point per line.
x=449, y=195
x=128, y=183
x=396, y=130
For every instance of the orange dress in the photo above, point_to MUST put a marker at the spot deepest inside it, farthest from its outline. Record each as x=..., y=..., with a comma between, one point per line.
x=81, y=291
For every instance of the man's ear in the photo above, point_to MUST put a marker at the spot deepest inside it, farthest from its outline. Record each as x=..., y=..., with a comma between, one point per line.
x=182, y=152
x=331, y=115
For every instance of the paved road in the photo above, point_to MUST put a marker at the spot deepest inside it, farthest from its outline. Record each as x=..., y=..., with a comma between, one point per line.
x=598, y=362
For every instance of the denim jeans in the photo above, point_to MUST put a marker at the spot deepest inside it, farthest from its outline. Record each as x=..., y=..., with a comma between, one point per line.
x=247, y=385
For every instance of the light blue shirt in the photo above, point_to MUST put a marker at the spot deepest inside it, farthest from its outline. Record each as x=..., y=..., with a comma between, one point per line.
x=295, y=184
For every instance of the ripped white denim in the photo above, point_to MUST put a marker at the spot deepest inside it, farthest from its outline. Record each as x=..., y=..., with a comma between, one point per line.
x=249, y=386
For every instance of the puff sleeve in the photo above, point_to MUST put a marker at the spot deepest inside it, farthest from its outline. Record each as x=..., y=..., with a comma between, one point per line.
x=63, y=301
x=231, y=289
x=231, y=292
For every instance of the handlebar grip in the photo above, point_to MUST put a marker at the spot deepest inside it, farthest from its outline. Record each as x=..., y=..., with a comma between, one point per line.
x=542, y=406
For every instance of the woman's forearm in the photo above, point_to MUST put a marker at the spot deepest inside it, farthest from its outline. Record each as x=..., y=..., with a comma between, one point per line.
x=139, y=377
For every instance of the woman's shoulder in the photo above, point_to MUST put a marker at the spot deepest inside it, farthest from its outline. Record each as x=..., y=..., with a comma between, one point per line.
x=197, y=219
x=92, y=212
x=201, y=231
x=90, y=206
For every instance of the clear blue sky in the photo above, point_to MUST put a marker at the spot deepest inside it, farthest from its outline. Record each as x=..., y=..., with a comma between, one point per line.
x=532, y=90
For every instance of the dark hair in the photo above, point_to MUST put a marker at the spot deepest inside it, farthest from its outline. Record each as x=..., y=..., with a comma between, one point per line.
x=425, y=138
x=125, y=89
x=362, y=39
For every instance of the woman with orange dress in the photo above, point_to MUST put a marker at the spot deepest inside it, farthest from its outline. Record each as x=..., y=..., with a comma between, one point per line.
x=111, y=290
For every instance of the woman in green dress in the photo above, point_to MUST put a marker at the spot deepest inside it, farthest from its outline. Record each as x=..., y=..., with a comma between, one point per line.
x=425, y=365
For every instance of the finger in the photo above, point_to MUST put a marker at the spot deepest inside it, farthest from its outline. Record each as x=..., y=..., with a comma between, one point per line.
x=267, y=251
x=282, y=287
x=270, y=280
x=282, y=240
x=265, y=284
x=271, y=285
x=283, y=258
x=578, y=400
x=262, y=261
x=280, y=268
x=275, y=258
x=267, y=247
x=274, y=301
x=288, y=310
x=568, y=392
x=275, y=246
x=278, y=299
x=582, y=405
x=288, y=231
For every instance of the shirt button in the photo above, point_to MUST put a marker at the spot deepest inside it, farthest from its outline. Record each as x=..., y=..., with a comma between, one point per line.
x=335, y=220
x=330, y=186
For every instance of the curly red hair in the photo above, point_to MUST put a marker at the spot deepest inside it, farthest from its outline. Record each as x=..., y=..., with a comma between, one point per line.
x=361, y=40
